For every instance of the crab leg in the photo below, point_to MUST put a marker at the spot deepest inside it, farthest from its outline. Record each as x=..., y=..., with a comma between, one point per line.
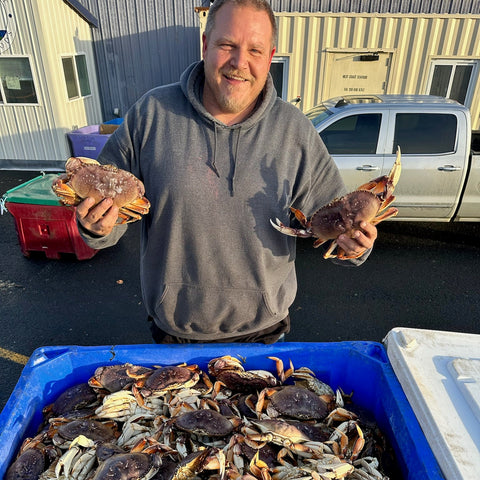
x=391, y=212
x=300, y=216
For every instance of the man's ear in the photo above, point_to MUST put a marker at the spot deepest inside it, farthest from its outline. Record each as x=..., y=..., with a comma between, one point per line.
x=204, y=45
x=272, y=54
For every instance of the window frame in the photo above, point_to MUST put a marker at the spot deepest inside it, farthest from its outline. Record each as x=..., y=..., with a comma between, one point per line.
x=352, y=134
x=429, y=120
x=454, y=63
x=3, y=96
x=284, y=61
x=73, y=57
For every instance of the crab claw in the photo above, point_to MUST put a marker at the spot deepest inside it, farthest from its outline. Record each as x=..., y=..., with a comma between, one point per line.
x=394, y=174
x=292, y=232
x=385, y=185
x=281, y=227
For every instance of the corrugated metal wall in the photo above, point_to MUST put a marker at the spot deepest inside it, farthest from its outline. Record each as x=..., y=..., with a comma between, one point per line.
x=141, y=44
x=412, y=40
x=33, y=135
x=144, y=43
x=377, y=6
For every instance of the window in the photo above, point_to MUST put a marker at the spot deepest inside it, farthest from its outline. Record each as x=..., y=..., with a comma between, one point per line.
x=452, y=79
x=356, y=134
x=279, y=72
x=76, y=76
x=425, y=133
x=16, y=85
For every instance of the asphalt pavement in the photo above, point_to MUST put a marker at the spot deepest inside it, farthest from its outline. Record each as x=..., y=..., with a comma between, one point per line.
x=419, y=275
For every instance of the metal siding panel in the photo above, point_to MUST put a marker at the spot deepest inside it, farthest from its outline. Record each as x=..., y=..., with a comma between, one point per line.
x=35, y=134
x=64, y=32
x=378, y=6
x=413, y=39
x=143, y=44
x=25, y=132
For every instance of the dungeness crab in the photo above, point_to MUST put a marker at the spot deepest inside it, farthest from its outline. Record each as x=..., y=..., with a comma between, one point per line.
x=85, y=177
x=344, y=215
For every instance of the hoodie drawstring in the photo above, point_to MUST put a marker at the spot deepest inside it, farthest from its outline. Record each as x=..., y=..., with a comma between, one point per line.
x=212, y=162
x=235, y=161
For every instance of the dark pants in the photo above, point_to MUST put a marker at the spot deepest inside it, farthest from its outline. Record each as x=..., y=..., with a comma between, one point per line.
x=269, y=335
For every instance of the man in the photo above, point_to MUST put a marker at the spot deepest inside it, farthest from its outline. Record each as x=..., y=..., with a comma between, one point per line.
x=220, y=155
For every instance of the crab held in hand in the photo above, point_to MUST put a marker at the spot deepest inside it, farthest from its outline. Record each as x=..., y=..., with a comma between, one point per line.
x=344, y=215
x=85, y=177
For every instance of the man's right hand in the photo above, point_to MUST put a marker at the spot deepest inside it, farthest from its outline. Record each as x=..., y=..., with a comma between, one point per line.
x=98, y=219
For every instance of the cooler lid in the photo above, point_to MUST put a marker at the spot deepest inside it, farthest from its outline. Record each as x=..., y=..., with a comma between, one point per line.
x=440, y=375
x=37, y=191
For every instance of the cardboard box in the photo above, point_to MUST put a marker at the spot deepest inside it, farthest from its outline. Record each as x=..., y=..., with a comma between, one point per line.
x=359, y=367
x=110, y=126
x=42, y=223
x=107, y=128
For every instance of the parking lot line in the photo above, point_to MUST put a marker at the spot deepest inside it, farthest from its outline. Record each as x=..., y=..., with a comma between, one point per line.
x=13, y=356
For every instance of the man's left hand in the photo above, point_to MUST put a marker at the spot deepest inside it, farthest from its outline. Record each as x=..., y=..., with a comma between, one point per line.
x=363, y=240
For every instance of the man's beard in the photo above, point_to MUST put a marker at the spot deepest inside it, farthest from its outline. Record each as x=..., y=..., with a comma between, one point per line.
x=228, y=101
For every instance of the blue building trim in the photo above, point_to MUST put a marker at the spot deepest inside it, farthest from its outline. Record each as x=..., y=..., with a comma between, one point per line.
x=83, y=12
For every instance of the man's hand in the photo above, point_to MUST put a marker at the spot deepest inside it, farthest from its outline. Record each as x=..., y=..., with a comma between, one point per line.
x=364, y=240
x=99, y=219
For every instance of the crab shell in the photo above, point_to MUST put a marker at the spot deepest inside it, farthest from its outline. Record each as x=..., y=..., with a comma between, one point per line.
x=85, y=177
x=117, y=377
x=300, y=403
x=30, y=464
x=204, y=422
x=345, y=214
x=92, y=429
x=126, y=465
x=230, y=371
x=168, y=378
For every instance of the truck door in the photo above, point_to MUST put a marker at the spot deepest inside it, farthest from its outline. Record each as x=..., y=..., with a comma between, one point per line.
x=433, y=163
x=354, y=143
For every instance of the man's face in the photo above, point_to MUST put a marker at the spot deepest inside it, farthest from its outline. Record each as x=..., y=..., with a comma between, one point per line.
x=237, y=59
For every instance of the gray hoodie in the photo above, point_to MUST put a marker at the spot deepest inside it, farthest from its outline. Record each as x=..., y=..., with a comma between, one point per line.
x=212, y=266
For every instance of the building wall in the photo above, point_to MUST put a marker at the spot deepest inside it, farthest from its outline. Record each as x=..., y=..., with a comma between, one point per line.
x=144, y=43
x=405, y=43
x=377, y=6
x=34, y=135
x=141, y=44
x=63, y=32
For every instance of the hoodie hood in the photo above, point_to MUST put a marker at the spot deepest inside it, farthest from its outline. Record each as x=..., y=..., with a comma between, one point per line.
x=192, y=83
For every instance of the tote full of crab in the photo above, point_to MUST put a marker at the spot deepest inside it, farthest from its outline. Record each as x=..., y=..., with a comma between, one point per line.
x=344, y=215
x=85, y=177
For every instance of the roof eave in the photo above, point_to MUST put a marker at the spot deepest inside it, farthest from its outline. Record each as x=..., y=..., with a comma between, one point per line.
x=83, y=12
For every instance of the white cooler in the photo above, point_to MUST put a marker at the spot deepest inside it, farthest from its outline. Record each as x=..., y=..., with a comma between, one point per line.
x=440, y=375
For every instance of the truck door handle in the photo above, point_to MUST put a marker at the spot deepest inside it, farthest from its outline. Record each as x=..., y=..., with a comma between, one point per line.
x=368, y=168
x=449, y=168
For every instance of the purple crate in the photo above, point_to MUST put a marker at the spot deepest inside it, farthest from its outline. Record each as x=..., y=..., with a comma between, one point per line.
x=87, y=141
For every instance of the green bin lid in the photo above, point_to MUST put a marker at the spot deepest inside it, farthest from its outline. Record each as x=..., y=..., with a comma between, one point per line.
x=37, y=191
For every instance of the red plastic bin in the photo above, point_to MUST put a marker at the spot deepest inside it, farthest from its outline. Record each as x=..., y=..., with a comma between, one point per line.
x=43, y=224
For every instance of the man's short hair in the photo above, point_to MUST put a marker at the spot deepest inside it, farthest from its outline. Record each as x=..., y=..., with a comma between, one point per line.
x=261, y=5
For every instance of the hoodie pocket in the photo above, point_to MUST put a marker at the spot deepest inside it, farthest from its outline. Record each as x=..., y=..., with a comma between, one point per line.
x=207, y=311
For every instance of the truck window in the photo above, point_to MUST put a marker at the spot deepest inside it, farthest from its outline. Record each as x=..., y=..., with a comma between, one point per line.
x=425, y=133
x=355, y=134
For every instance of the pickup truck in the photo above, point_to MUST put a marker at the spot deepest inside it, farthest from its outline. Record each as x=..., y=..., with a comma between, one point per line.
x=440, y=178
